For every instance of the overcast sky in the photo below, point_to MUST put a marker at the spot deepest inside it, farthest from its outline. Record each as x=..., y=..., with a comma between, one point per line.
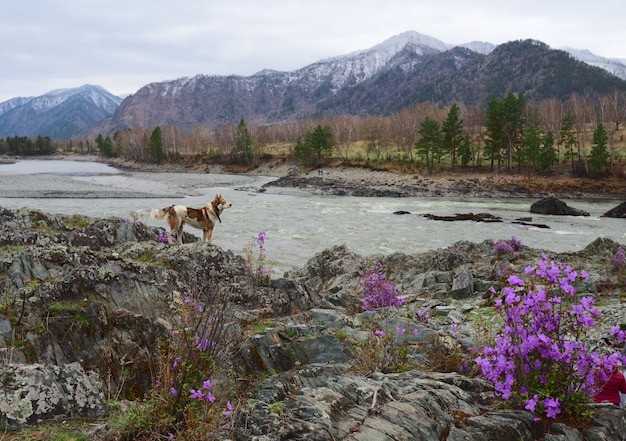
x=125, y=45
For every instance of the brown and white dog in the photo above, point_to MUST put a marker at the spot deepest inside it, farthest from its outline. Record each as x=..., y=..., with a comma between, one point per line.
x=204, y=218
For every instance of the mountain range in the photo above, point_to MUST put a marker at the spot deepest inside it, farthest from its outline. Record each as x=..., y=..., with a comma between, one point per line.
x=399, y=72
x=59, y=114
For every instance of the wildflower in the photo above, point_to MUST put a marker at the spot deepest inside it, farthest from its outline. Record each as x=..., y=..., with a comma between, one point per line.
x=552, y=407
x=531, y=403
x=378, y=291
x=515, y=280
x=379, y=332
x=400, y=330
x=196, y=394
x=228, y=411
x=173, y=391
x=541, y=346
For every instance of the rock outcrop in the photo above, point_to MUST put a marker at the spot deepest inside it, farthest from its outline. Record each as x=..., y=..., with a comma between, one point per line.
x=617, y=212
x=33, y=392
x=326, y=403
x=552, y=205
x=86, y=301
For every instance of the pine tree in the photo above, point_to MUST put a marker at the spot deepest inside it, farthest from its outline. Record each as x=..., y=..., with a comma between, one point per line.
x=547, y=154
x=452, y=131
x=429, y=143
x=155, y=145
x=568, y=137
x=243, y=143
x=599, y=156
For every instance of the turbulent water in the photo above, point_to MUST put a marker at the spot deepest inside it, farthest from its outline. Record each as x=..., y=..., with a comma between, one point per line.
x=298, y=225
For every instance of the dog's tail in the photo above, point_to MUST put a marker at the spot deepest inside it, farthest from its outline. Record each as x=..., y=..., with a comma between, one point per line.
x=157, y=214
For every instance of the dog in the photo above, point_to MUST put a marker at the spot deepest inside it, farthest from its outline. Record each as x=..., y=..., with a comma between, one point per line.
x=204, y=218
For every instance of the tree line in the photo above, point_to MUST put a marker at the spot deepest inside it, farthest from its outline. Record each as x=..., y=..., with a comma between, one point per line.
x=510, y=134
x=26, y=146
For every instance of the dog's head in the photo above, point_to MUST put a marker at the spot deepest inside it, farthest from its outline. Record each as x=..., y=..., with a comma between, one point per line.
x=220, y=203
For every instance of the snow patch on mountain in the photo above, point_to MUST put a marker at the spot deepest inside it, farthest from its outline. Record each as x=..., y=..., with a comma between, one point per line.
x=616, y=66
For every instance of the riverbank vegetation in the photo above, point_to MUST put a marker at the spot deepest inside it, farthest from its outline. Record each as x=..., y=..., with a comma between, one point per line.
x=577, y=138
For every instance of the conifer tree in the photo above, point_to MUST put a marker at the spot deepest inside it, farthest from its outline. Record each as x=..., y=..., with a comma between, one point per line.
x=599, y=156
x=243, y=143
x=155, y=145
x=429, y=143
x=452, y=131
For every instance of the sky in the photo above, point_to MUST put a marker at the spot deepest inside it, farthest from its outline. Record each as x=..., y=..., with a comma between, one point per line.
x=124, y=45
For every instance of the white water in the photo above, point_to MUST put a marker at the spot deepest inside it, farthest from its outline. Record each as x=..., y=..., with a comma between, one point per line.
x=299, y=225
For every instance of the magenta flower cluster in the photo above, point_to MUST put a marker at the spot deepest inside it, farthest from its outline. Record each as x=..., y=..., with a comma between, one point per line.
x=618, y=261
x=378, y=292
x=511, y=247
x=163, y=237
x=541, y=360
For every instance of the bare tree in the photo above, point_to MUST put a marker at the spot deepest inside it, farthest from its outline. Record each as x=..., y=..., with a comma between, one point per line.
x=344, y=128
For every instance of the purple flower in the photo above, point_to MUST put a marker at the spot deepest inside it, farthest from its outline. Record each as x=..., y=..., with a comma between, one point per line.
x=531, y=403
x=173, y=391
x=514, y=280
x=228, y=411
x=541, y=344
x=378, y=291
x=552, y=407
x=196, y=394
x=207, y=384
x=379, y=332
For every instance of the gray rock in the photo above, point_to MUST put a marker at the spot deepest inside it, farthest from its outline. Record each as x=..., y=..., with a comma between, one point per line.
x=33, y=393
x=617, y=212
x=552, y=205
x=463, y=282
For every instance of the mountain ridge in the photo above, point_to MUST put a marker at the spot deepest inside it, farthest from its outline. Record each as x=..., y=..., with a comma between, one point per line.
x=58, y=114
x=399, y=71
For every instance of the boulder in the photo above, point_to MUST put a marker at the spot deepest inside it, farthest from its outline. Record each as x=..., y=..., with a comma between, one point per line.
x=617, y=212
x=555, y=206
x=36, y=392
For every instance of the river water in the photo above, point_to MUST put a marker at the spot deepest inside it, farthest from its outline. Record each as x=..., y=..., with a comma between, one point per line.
x=298, y=224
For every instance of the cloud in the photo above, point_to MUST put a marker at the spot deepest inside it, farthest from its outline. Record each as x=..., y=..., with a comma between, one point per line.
x=124, y=45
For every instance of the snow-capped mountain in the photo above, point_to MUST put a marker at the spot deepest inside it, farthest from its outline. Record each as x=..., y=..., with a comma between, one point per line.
x=407, y=68
x=61, y=113
x=97, y=95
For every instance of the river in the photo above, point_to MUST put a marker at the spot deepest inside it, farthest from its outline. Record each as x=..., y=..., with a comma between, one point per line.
x=298, y=224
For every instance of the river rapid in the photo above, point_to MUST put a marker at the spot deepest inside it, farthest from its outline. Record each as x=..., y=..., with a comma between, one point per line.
x=297, y=224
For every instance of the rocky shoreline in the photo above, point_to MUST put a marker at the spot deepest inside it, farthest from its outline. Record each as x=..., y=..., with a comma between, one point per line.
x=95, y=294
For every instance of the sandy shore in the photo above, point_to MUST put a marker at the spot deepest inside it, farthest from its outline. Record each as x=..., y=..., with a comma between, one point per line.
x=125, y=184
